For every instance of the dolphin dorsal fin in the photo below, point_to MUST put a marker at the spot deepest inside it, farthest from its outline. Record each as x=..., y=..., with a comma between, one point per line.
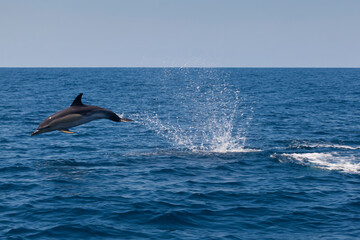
x=77, y=101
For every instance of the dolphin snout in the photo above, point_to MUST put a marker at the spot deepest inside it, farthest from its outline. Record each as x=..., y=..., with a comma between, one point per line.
x=35, y=133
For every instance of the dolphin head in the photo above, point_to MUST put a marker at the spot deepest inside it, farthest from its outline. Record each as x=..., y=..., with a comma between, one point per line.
x=41, y=130
x=44, y=127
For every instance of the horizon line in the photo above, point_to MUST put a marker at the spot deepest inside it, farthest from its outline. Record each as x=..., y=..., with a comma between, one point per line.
x=328, y=67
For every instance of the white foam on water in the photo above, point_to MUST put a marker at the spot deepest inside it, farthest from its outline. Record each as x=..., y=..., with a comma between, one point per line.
x=326, y=145
x=343, y=162
x=335, y=146
x=235, y=150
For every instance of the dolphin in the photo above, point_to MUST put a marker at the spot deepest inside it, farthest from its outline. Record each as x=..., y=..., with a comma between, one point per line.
x=75, y=115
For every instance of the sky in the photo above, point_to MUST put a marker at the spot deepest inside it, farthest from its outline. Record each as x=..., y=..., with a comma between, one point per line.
x=180, y=33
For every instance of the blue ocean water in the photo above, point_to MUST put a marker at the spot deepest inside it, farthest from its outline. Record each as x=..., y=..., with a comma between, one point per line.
x=212, y=153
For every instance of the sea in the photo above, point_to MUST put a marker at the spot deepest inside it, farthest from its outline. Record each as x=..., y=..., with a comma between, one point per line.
x=211, y=153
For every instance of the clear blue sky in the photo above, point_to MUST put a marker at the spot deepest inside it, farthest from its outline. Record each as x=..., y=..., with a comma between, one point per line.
x=161, y=33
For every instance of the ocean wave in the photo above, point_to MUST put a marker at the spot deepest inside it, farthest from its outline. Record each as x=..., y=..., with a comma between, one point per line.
x=222, y=149
x=185, y=152
x=310, y=145
x=177, y=218
x=336, y=146
x=330, y=160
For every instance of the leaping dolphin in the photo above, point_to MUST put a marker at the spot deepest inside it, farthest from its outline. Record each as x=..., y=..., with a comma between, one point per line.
x=75, y=115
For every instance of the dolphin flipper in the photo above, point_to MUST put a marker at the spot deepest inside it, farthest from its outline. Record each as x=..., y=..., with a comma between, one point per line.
x=66, y=131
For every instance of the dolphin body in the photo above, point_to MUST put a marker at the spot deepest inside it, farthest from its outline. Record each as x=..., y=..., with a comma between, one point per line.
x=75, y=115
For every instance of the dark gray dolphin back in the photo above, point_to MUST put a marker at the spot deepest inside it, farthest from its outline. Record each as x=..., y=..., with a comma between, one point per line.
x=110, y=114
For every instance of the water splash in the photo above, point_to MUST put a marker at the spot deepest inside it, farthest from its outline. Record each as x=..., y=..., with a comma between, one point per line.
x=203, y=113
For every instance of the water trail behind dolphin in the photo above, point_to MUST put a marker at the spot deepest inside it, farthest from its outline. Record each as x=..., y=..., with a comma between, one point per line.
x=201, y=113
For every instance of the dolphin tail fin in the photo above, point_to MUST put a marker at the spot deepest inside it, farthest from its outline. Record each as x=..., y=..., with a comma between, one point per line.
x=114, y=117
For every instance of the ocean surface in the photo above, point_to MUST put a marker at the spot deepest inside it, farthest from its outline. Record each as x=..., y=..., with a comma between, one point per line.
x=212, y=153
